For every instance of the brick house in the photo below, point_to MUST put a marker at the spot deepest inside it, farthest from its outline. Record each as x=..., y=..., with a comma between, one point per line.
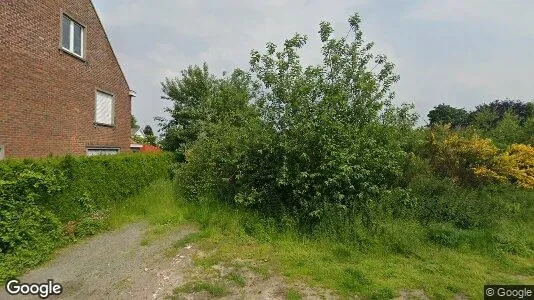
x=61, y=87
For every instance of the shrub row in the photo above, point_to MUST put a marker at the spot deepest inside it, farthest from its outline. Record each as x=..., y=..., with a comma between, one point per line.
x=41, y=199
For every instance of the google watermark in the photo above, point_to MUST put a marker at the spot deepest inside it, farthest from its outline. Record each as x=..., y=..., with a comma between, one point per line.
x=43, y=290
x=524, y=292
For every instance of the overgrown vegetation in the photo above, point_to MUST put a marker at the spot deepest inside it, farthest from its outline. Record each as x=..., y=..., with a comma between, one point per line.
x=293, y=140
x=469, y=159
x=504, y=122
x=437, y=258
x=311, y=171
x=314, y=144
x=213, y=289
x=45, y=203
x=320, y=152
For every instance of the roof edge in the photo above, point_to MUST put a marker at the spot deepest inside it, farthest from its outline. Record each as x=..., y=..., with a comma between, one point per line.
x=109, y=43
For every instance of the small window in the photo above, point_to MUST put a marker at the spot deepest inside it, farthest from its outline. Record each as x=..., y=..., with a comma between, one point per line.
x=102, y=151
x=2, y=152
x=72, y=36
x=104, y=110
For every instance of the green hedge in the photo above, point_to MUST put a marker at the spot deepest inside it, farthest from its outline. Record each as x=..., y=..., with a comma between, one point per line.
x=39, y=197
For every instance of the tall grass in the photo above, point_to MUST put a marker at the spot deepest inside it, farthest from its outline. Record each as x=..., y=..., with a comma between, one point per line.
x=157, y=205
x=402, y=254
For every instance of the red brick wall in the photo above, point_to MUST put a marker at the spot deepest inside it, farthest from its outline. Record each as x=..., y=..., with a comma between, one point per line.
x=47, y=97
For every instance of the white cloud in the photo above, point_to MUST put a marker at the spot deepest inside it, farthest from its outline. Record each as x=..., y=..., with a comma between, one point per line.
x=514, y=16
x=229, y=29
x=232, y=28
x=155, y=39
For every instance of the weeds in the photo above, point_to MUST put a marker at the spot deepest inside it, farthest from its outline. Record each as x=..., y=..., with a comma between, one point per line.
x=293, y=295
x=214, y=290
x=437, y=258
x=236, y=278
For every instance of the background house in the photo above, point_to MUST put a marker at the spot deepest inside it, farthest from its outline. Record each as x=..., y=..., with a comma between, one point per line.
x=61, y=87
x=137, y=133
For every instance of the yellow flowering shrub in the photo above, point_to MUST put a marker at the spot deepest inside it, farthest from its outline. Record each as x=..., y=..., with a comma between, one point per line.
x=485, y=173
x=475, y=160
x=517, y=163
x=464, y=159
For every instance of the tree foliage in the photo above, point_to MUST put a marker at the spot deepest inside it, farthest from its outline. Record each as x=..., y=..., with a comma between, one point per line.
x=504, y=122
x=150, y=138
x=293, y=139
x=444, y=114
x=500, y=108
x=148, y=130
x=200, y=99
x=133, y=123
x=313, y=143
x=472, y=160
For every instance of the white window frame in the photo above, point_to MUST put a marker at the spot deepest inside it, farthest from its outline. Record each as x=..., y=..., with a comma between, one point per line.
x=97, y=91
x=70, y=50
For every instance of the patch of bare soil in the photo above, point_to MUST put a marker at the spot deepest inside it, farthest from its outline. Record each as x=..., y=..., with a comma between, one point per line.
x=243, y=279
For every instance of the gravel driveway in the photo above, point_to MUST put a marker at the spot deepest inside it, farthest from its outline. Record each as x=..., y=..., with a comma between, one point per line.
x=114, y=265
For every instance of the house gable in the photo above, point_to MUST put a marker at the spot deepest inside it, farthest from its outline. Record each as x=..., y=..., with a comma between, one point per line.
x=48, y=95
x=99, y=48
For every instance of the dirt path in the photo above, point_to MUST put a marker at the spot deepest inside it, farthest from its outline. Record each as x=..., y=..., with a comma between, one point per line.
x=121, y=265
x=114, y=265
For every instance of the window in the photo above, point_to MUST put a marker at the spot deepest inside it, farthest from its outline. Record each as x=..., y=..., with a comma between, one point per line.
x=2, y=152
x=102, y=151
x=72, y=36
x=105, y=113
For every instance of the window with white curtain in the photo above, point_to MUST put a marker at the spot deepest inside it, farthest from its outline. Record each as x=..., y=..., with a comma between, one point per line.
x=72, y=36
x=104, y=109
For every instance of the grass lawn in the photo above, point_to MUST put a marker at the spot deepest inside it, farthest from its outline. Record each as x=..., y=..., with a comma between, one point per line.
x=401, y=257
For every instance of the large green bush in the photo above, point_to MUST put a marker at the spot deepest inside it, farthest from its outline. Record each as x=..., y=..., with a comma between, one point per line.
x=322, y=146
x=296, y=140
x=41, y=198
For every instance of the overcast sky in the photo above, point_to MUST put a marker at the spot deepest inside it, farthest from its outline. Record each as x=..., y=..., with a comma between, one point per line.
x=462, y=52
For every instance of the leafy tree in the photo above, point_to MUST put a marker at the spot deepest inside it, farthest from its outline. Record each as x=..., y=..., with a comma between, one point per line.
x=148, y=130
x=529, y=131
x=445, y=114
x=484, y=119
x=299, y=140
x=188, y=95
x=199, y=98
x=400, y=122
x=133, y=123
x=503, y=130
x=507, y=131
x=150, y=138
x=500, y=107
x=505, y=122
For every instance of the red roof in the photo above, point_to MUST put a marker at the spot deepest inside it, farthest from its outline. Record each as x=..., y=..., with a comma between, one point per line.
x=150, y=148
